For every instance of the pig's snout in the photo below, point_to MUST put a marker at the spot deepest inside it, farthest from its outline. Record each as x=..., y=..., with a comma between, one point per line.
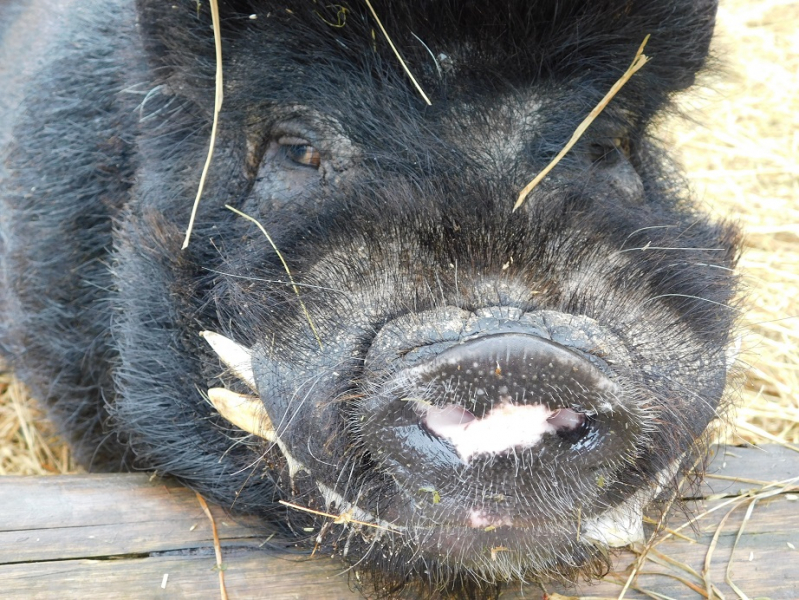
x=504, y=411
x=497, y=395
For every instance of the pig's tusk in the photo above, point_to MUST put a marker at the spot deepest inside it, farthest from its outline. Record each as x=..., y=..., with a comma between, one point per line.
x=245, y=412
x=619, y=526
x=235, y=356
x=248, y=413
x=624, y=524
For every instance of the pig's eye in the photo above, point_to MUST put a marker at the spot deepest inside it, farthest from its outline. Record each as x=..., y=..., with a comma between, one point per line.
x=300, y=153
x=623, y=146
x=610, y=150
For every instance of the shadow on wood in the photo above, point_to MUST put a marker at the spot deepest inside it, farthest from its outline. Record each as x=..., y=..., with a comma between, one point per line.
x=124, y=536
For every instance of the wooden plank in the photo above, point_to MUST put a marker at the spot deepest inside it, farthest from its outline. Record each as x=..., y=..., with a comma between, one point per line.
x=56, y=518
x=248, y=574
x=117, y=536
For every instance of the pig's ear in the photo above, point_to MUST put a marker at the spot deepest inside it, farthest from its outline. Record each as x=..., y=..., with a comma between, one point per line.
x=680, y=33
x=599, y=38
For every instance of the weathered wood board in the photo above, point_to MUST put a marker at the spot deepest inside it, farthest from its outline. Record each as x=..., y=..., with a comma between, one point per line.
x=125, y=536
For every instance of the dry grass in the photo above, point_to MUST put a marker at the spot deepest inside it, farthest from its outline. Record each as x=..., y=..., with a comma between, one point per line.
x=741, y=150
x=744, y=162
x=28, y=445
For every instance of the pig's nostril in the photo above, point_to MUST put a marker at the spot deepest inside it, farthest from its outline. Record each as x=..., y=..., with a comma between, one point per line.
x=570, y=425
x=566, y=419
x=447, y=417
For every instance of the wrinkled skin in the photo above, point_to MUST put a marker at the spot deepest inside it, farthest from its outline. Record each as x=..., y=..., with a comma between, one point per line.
x=489, y=388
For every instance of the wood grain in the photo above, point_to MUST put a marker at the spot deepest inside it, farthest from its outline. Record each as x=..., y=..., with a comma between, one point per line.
x=127, y=536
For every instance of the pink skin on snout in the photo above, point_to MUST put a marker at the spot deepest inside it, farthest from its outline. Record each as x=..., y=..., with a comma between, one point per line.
x=504, y=427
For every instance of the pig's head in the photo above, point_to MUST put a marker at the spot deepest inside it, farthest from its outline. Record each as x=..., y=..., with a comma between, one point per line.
x=484, y=395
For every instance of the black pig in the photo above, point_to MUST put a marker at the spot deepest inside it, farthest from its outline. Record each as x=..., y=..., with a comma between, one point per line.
x=487, y=395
